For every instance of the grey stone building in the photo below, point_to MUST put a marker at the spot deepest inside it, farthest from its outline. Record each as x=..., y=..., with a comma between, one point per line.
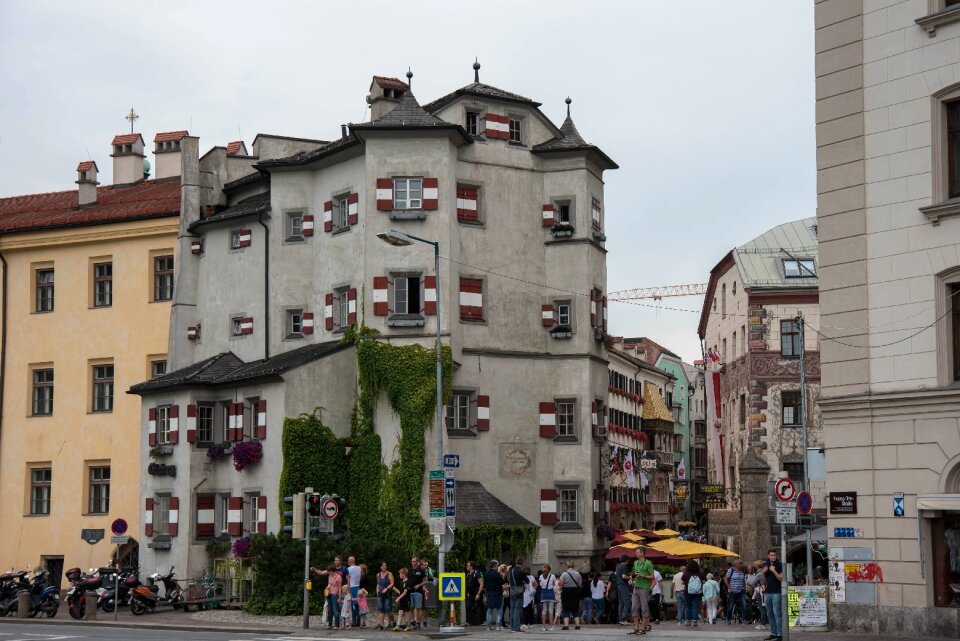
x=279, y=255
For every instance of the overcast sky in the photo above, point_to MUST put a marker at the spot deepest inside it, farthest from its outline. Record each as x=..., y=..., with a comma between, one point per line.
x=707, y=106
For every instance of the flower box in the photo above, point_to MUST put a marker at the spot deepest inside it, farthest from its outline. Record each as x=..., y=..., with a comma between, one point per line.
x=246, y=453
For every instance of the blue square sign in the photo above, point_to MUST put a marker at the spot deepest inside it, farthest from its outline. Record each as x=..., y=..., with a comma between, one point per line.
x=451, y=586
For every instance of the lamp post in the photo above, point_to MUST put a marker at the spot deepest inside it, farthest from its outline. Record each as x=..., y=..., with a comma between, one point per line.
x=400, y=239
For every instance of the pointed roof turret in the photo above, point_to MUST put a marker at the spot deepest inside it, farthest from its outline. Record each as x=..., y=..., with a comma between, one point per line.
x=409, y=115
x=570, y=140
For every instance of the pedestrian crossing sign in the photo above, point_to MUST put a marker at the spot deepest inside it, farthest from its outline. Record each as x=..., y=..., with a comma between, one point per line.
x=451, y=586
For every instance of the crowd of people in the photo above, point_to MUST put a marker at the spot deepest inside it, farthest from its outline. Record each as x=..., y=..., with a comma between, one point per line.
x=510, y=596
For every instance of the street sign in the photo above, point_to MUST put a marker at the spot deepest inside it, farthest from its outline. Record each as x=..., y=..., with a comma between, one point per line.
x=119, y=527
x=786, y=504
x=119, y=540
x=450, y=496
x=437, y=526
x=451, y=460
x=847, y=533
x=784, y=489
x=804, y=503
x=786, y=515
x=451, y=586
x=92, y=535
x=331, y=508
x=435, y=491
x=898, y=504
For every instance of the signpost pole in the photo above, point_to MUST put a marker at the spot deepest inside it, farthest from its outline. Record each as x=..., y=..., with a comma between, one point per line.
x=803, y=427
x=306, y=566
x=116, y=587
x=784, y=606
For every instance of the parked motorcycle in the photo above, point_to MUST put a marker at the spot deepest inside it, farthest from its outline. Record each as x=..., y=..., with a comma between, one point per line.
x=77, y=594
x=146, y=598
x=11, y=585
x=107, y=598
x=44, y=598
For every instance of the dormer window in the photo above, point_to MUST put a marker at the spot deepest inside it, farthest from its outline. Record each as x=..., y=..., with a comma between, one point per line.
x=516, y=131
x=799, y=268
x=473, y=123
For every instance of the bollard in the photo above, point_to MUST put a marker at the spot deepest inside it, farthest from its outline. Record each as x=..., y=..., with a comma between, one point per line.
x=90, y=613
x=23, y=605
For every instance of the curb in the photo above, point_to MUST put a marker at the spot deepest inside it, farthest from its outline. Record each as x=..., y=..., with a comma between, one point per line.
x=152, y=626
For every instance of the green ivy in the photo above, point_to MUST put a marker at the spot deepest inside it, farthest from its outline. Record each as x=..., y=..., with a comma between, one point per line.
x=312, y=457
x=485, y=542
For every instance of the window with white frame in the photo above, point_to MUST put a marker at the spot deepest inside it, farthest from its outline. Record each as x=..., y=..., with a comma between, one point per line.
x=41, y=480
x=43, y=392
x=250, y=512
x=407, y=298
x=103, y=284
x=790, y=408
x=223, y=421
x=223, y=513
x=566, y=418
x=568, y=504
x=408, y=193
x=564, y=212
x=564, y=313
x=44, y=293
x=102, y=388
x=161, y=515
x=473, y=123
x=163, y=278
x=294, y=226
x=799, y=268
x=460, y=411
x=294, y=323
x=341, y=307
x=235, y=239
x=516, y=130
x=205, y=421
x=163, y=424
x=99, y=490
x=158, y=368
x=236, y=326
x=341, y=211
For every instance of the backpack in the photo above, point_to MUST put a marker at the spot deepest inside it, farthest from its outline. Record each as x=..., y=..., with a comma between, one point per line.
x=694, y=584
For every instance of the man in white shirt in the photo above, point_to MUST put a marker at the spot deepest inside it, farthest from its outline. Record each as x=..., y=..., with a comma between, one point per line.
x=656, y=593
x=353, y=573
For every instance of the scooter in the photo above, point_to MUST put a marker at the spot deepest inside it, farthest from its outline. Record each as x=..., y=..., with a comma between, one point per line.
x=12, y=585
x=44, y=598
x=107, y=600
x=77, y=594
x=146, y=598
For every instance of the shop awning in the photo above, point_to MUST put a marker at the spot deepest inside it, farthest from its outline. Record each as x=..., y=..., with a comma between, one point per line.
x=690, y=550
x=938, y=502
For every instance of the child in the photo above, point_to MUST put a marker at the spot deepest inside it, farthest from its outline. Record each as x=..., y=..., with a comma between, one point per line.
x=346, y=608
x=362, y=604
x=403, y=601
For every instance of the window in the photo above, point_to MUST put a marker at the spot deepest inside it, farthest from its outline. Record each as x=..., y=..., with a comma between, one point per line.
x=406, y=295
x=516, y=132
x=790, y=409
x=954, y=304
x=794, y=471
x=789, y=339
x=224, y=422
x=163, y=278
x=161, y=515
x=99, y=491
x=294, y=323
x=564, y=316
x=341, y=212
x=163, y=424
x=723, y=300
x=743, y=410
x=205, y=415
x=42, y=392
x=341, y=308
x=458, y=412
x=569, y=505
x=733, y=344
x=678, y=442
x=733, y=288
x=44, y=290
x=223, y=513
x=801, y=268
x=159, y=368
x=103, y=284
x=953, y=148
x=236, y=326
x=743, y=338
x=407, y=193
x=235, y=239
x=250, y=511
x=566, y=418
x=103, y=388
x=723, y=352
x=563, y=212
x=473, y=123
x=294, y=226
x=40, y=482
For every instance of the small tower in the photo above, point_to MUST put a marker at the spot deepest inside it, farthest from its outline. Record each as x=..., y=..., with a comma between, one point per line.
x=87, y=180
x=385, y=95
x=127, y=159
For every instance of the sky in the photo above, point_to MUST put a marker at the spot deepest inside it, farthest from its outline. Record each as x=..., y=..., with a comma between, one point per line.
x=708, y=107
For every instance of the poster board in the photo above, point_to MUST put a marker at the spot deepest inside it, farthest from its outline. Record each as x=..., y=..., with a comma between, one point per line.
x=807, y=606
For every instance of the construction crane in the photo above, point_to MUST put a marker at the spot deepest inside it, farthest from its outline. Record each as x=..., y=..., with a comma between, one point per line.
x=656, y=293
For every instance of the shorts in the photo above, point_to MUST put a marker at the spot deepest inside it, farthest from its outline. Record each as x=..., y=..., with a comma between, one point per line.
x=549, y=608
x=385, y=604
x=640, y=604
x=416, y=600
x=403, y=605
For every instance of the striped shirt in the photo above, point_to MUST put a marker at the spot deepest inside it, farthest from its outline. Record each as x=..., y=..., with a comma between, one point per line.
x=736, y=579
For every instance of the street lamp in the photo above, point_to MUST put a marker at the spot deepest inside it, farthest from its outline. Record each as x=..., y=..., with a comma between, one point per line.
x=400, y=239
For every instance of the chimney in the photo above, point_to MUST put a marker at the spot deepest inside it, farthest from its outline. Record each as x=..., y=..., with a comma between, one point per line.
x=236, y=148
x=385, y=94
x=127, y=159
x=87, y=179
x=167, y=153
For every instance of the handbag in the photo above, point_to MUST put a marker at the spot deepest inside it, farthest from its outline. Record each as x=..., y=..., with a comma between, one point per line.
x=515, y=590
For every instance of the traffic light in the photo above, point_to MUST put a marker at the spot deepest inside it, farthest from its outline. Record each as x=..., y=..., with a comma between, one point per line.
x=297, y=501
x=315, y=504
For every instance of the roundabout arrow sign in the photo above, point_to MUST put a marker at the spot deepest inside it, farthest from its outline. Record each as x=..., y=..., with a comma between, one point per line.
x=784, y=490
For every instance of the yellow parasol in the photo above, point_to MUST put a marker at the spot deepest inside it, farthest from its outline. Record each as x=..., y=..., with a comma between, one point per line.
x=686, y=523
x=666, y=533
x=690, y=550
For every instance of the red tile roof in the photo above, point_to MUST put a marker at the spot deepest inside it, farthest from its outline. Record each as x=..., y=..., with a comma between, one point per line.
x=148, y=199
x=235, y=147
x=170, y=135
x=87, y=165
x=390, y=83
x=126, y=139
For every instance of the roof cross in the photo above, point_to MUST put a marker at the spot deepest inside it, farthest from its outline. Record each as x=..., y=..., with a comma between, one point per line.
x=132, y=117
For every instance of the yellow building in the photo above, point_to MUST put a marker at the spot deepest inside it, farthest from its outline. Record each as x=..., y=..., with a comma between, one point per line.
x=87, y=283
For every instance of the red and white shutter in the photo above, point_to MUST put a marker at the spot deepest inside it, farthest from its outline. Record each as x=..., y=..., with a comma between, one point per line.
x=431, y=193
x=548, y=312
x=238, y=425
x=261, y=514
x=593, y=308
x=549, y=215
x=191, y=423
x=604, y=299
x=595, y=209
x=467, y=198
x=196, y=246
x=174, y=518
x=245, y=237
x=430, y=295
x=262, y=419
x=307, y=323
x=594, y=417
x=192, y=333
x=353, y=209
x=246, y=325
x=548, y=419
x=380, y=297
x=328, y=216
x=235, y=516
x=497, y=126
x=384, y=194
x=548, y=507
x=206, y=515
x=483, y=413
x=173, y=421
x=328, y=310
x=352, y=306
x=148, y=517
x=596, y=505
x=306, y=225
x=471, y=298
x=152, y=426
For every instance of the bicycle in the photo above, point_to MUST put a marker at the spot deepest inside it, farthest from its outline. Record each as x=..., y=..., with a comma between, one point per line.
x=202, y=592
